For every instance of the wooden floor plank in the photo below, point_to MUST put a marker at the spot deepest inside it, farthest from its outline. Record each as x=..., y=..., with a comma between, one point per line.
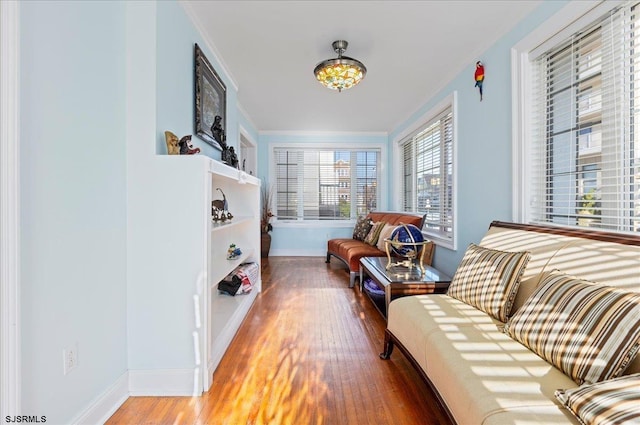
x=307, y=353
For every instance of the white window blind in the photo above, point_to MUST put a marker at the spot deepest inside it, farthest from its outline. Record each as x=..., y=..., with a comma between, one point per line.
x=427, y=157
x=314, y=184
x=585, y=166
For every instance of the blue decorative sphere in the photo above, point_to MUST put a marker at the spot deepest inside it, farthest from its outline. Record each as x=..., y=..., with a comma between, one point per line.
x=403, y=236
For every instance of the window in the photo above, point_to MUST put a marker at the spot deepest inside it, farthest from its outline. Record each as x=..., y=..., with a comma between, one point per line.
x=428, y=173
x=325, y=184
x=584, y=164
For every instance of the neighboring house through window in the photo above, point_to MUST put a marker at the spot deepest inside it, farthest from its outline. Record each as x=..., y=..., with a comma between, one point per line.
x=325, y=184
x=580, y=158
x=427, y=157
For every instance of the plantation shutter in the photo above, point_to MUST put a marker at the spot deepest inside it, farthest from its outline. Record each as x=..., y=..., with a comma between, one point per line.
x=585, y=165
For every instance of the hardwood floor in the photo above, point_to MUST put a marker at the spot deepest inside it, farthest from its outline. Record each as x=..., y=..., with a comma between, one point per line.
x=307, y=353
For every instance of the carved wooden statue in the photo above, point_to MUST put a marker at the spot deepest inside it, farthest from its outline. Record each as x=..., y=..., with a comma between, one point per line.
x=232, y=158
x=218, y=134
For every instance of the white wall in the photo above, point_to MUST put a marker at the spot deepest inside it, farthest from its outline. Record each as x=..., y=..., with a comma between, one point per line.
x=73, y=190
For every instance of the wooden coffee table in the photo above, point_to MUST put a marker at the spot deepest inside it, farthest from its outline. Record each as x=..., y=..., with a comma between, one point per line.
x=400, y=281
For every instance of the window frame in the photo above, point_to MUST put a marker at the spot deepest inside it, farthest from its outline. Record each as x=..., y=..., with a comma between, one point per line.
x=337, y=146
x=553, y=32
x=448, y=102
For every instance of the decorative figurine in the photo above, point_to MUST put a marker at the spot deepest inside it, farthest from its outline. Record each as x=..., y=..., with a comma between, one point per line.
x=218, y=134
x=479, y=77
x=172, y=143
x=233, y=252
x=232, y=157
x=186, y=148
x=406, y=241
x=220, y=208
x=221, y=204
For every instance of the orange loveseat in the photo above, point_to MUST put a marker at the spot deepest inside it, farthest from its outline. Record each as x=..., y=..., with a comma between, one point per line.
x=350, y=250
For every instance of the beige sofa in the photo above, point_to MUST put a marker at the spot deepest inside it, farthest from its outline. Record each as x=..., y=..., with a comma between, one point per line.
x=477, y=372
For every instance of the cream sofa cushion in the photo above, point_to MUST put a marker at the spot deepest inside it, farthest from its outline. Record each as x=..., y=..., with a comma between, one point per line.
x=480, y=372
x=413, y=319
x=531, y=415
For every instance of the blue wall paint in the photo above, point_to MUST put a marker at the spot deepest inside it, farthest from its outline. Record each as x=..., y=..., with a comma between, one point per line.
x=73, y=179
x=175, y=80
x=73, y=203
x=484, y=139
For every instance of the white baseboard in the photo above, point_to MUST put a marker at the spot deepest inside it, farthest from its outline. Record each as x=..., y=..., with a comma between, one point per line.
x=161, y=382
x=297, y=253
x=167, y=382
x=106, y=404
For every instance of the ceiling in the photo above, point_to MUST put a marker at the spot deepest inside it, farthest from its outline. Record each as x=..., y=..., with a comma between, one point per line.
x=411, y=49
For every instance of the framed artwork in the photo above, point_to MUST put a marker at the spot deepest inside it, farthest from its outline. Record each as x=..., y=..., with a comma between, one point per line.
x=211, y=100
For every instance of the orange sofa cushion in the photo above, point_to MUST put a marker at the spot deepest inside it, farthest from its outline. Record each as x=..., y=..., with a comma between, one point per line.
x=350, y=251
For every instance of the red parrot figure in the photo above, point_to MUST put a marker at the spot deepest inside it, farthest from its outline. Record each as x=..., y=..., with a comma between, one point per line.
x=479, y=77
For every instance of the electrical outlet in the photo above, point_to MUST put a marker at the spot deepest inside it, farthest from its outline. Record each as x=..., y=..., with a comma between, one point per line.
x=69, y=358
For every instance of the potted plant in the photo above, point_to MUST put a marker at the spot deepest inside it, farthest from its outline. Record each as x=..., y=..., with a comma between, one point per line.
x=266, y=194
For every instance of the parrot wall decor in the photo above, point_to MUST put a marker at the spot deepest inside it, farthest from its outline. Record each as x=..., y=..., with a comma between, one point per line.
x=479, y=77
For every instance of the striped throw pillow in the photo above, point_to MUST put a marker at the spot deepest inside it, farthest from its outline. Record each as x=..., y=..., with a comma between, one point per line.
x=590, y=332
x=488, y=279
x=385, y=233
x=612, y=402
x=374, y=233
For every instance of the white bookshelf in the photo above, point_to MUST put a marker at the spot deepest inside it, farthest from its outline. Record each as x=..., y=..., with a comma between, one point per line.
x=179, y=324
x=224, y=314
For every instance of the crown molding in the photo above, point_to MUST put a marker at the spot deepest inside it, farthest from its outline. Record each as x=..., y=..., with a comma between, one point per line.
x=323, y=133
x=186, y=6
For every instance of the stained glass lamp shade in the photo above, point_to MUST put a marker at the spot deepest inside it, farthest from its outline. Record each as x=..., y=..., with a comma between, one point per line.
x=342, y=72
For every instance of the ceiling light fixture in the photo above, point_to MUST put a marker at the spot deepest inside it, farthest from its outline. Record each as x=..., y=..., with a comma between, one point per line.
x=342, y=72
